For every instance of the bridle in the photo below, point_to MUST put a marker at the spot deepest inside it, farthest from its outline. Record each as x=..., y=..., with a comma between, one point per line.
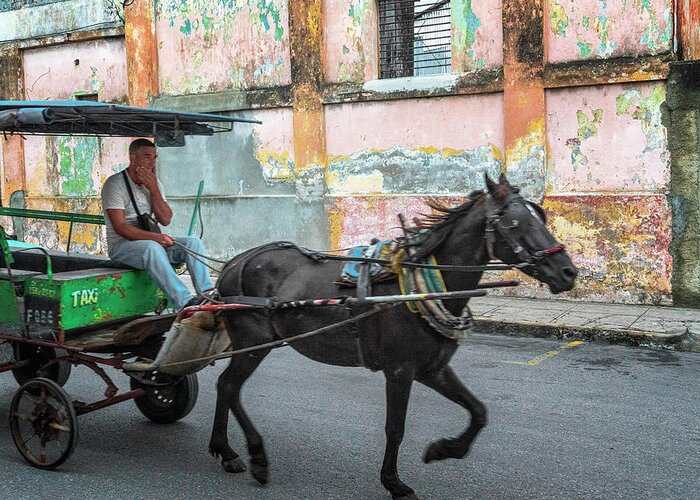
x=494, y=224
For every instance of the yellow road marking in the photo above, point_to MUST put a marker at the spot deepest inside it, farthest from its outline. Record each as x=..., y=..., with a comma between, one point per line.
x=538, y=359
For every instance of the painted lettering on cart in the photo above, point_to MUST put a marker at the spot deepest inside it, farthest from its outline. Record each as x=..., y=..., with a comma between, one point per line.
x=40, y=316
x=84, y=297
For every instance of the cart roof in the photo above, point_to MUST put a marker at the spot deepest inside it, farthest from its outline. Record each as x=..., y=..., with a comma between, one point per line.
x=105, y=119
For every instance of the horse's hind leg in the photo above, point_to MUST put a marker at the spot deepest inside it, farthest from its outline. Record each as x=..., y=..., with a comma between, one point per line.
x=229, y=396
x=446, y=383
x=398, y=391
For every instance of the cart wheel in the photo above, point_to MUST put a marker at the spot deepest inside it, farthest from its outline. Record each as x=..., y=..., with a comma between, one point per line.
x=39, y=356
x=43, y=423
x=169, y=403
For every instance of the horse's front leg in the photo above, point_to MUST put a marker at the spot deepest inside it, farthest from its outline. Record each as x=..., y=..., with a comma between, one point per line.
x=229, y=397
x=218, y=443
x=446, y=383
x=398, y=390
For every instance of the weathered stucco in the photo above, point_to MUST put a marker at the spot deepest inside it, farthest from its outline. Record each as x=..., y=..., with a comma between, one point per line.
x=567, y=97
x=477, y=35
x=620, y=244
x=55, y=18
x=414, y=146
x=607, y=138
x=211, y=45
x=70, y=70
x=350, y=37
x=598, y=29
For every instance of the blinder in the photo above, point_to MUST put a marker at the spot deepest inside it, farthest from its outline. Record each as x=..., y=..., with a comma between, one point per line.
x=495, y=224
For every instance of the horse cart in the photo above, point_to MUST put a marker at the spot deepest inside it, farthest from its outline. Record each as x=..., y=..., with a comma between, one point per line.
x=60, y=309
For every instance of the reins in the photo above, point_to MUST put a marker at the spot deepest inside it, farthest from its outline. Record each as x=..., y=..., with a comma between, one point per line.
x=280, y=342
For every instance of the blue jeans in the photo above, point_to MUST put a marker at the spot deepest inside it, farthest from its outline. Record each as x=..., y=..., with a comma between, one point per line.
x=157, y=261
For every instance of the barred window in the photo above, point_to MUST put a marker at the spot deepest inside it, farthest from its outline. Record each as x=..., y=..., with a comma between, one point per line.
x=414, y=37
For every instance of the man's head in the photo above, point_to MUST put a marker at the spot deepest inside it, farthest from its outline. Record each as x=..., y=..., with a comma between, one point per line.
x=142, y=157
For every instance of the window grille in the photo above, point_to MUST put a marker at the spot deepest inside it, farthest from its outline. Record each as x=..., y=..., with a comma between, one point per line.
x=414, y=37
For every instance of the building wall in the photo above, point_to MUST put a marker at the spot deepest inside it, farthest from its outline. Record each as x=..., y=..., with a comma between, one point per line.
x=566, y=97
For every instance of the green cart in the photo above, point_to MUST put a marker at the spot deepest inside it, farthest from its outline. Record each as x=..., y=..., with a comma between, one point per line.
x=60, y=309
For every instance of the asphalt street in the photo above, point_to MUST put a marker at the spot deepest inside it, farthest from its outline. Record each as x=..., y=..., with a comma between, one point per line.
x=567, y=421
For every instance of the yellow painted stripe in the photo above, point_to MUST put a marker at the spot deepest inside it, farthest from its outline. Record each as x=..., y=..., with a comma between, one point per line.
x=538, y=359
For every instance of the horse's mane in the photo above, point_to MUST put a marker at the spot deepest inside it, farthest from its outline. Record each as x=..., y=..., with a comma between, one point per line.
x=439, y=223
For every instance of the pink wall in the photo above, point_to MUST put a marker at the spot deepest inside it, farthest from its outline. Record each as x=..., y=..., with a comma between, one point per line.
x=208, y=46
x=273, y=144
x=62, y=71
x=460, y=122
x=477, y=35
x=607, y=138
x=595, y=29
x=351, y=40
x=59, y=166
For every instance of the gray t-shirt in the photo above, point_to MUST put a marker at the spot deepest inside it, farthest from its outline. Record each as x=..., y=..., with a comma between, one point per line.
x=116, y=196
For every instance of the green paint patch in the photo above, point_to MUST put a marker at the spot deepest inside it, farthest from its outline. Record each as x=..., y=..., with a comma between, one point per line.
x=588, y=128
x=465, y=24
x=211, y=17
x=76, y=160
x=559, y=19
x=585, y=49
x=648, y=111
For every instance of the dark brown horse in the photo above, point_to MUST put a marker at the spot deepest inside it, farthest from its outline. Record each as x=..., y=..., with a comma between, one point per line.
x=497, y=223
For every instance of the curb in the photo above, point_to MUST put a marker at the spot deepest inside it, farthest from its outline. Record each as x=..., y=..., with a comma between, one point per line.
x=682, y=340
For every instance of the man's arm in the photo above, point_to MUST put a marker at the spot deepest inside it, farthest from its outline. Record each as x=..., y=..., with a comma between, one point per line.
x=118, y=219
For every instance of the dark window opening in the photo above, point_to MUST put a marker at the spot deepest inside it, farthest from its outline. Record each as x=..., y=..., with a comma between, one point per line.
x=414, y=37
x=86, y=97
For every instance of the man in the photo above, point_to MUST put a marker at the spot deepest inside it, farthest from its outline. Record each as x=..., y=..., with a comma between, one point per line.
x=128, y=244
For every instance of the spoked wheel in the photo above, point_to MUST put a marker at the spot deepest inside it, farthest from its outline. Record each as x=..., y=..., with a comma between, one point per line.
x=165, y=404
x=38, y=357
x=43, y=423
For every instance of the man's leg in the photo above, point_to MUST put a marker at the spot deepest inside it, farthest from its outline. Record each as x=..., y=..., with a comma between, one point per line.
x=149, y=255
x=198, y=271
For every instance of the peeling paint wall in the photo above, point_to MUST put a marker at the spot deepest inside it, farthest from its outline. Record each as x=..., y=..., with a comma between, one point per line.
x=566, y=96
x=70, y=70
x=214, y=45
x=48, y=18
x=66, y=174
x=413, y=146
x=607, y=138
x=350, y=37
x=599, y=29
x=477, y=35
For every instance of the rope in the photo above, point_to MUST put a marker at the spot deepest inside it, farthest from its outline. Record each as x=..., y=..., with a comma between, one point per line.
x=277, y=343
x=200, y=257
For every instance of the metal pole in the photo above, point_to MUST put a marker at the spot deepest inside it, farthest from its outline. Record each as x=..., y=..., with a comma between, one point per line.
x=196, y=208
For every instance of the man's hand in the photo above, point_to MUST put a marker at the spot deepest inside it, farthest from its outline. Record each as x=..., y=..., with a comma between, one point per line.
x=147, y=176
x=163, y=239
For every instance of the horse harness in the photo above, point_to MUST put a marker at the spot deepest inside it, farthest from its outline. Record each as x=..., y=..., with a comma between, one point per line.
x=494, y=224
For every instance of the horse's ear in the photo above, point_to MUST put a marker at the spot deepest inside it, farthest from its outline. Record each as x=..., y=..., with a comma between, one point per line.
x=502, y=180
x=489, y=183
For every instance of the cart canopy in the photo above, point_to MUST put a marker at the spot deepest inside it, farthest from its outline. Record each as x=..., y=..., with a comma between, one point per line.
x=104, y=119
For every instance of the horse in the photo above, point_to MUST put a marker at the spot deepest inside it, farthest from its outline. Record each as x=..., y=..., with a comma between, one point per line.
x=496, y=223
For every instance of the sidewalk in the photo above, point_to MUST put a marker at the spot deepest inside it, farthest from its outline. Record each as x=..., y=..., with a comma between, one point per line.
x=651, y=326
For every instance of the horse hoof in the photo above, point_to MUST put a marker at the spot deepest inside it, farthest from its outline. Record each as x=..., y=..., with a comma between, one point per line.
x=410, y=496
x=259, y=473
x=234, y=465
x=434, y=452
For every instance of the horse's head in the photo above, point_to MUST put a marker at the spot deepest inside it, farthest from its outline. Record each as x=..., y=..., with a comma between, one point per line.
x=516, y=234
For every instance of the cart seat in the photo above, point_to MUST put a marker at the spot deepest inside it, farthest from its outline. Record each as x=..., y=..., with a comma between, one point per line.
x=17, y=274
x=35, y=260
